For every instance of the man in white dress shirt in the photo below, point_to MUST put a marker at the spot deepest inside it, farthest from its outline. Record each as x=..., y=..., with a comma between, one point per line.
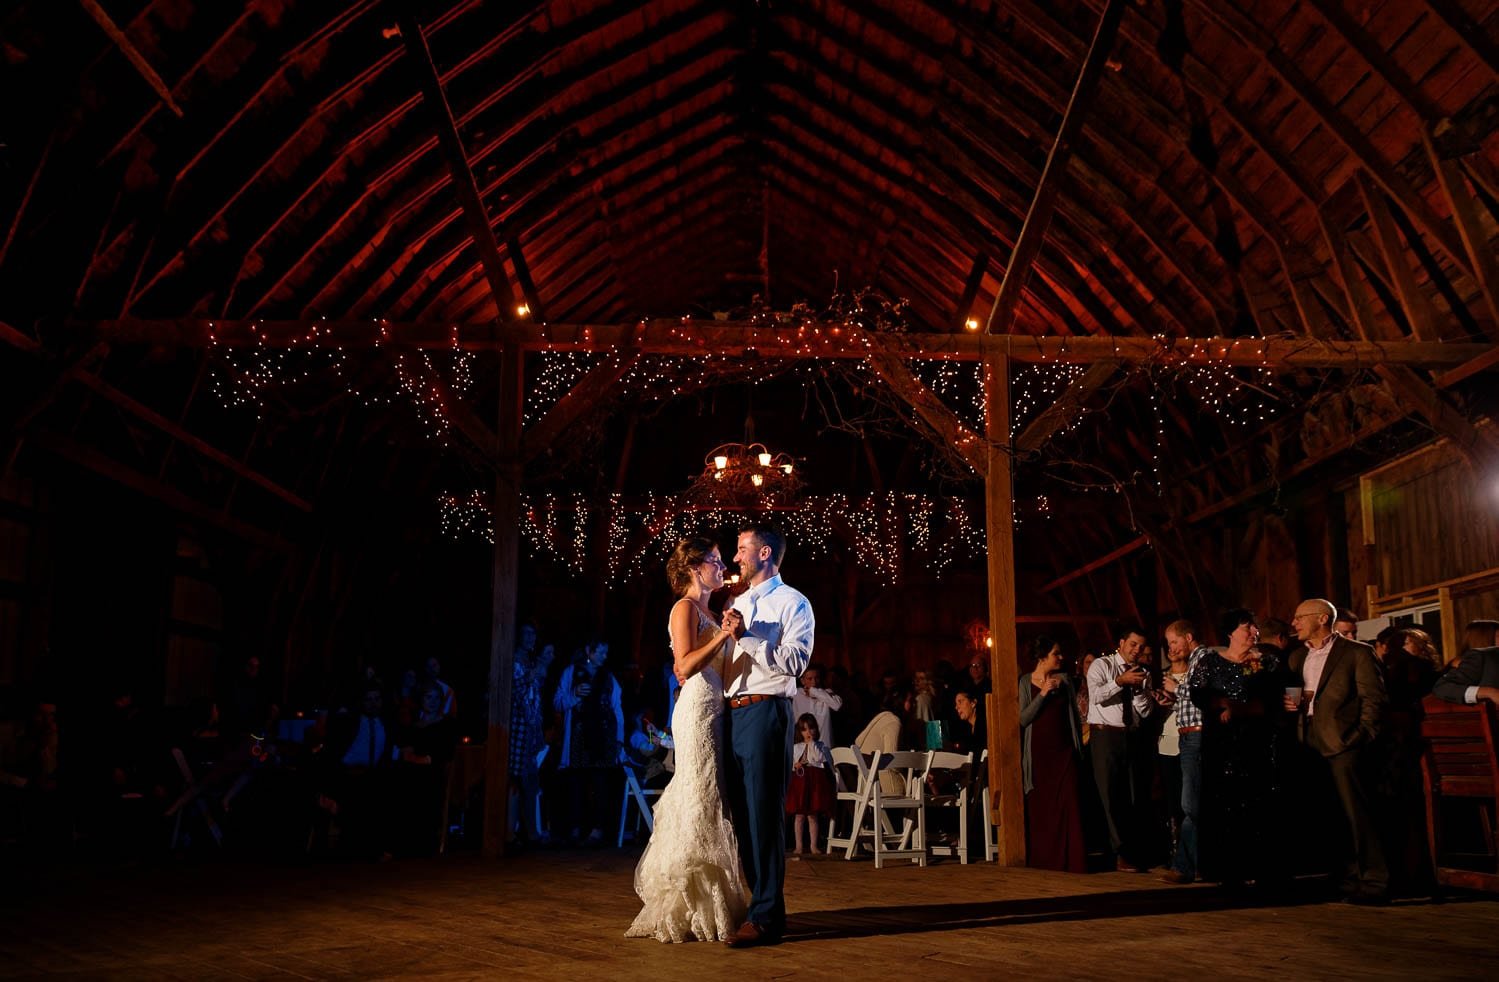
x=772, y=625
x=1118, y=698
x=821, y=703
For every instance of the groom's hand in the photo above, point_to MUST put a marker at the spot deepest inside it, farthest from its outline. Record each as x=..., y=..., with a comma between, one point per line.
x=733, y=622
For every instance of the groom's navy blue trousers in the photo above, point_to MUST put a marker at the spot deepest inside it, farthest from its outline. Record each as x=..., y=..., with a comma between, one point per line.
x=759, y=765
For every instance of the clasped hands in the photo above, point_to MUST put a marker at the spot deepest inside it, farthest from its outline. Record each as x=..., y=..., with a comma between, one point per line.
x=733, y=623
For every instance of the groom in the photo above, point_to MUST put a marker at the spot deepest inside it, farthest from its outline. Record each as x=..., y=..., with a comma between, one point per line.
x=772, y=626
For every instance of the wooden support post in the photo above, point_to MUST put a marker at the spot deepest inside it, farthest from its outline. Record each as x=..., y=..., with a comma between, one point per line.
x=507, y=504
x=1007, y=792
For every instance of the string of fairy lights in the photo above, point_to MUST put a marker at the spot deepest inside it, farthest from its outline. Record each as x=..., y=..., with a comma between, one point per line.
x=884, y=530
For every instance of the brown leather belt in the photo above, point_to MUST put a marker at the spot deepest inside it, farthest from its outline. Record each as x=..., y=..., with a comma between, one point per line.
x=1106, y=726
x=1189, y=729
x=739, y=702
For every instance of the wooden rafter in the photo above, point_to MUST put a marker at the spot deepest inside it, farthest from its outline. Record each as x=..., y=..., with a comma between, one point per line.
x=1038, y=217
x=1483, y=264
x=1414, y=302
x=464, y=184
x=1284, y=67
x=132, y=54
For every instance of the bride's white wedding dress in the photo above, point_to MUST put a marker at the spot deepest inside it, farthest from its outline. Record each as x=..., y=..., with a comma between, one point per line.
x=689, y=878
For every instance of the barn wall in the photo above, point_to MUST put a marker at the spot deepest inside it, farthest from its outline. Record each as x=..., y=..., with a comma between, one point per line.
x=1432, y=519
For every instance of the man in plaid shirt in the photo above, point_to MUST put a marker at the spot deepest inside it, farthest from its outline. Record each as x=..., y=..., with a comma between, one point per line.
x=1180, y=639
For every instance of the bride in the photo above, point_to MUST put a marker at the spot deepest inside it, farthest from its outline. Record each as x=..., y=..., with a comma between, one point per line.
x=689, y=878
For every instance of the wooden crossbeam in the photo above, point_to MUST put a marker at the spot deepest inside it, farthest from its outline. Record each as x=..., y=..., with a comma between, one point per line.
x=87, y=457
x=1067, y=406
x=1097, y=564
x=950, y=430
x=592, y=388
x=814, y=340
x=451, y=143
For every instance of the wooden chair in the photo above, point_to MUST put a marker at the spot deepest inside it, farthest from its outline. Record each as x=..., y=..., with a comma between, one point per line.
x=851, y=778
x=643, y=798
x=1459, y=764
x=961, y=768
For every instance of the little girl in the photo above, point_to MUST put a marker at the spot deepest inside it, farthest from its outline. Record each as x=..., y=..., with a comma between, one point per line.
x=811, y=794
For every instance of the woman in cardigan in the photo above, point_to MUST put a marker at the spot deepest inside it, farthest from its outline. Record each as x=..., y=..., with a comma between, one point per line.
x=1051, y=748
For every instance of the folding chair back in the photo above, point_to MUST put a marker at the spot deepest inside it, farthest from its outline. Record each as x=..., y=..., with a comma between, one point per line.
x=955, y=771
x=643, y=798
x=909, y=842
x=851, y=778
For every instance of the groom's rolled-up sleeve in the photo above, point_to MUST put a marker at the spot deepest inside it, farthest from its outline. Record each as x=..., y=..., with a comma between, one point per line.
x=791, y=655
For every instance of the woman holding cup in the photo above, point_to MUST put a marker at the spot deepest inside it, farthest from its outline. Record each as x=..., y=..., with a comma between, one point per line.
x=1240, y=692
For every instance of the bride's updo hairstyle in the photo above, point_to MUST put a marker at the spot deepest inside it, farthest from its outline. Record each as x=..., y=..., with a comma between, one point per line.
x=688, y=554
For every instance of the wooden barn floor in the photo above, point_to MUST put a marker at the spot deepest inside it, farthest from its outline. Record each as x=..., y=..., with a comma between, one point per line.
x=561, y=915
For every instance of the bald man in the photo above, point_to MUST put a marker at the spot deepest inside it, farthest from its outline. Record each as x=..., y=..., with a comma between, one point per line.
x=1342, y=704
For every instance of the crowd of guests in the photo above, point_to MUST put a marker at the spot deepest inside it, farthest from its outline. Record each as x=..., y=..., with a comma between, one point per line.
x=1243, y=763
x=1286, y=747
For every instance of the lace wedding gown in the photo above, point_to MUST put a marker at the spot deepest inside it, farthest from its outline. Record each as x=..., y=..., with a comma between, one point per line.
x=689, y=878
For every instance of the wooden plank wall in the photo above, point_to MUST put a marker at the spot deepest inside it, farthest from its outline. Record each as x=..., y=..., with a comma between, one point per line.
x=1433, y=519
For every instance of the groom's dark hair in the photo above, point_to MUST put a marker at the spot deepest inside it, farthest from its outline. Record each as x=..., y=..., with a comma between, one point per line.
x=768, y=536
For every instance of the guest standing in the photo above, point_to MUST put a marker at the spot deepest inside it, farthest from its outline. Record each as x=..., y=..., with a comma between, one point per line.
x=1238, y=692
x=1118, y=698
x=1051, y=750
x=593, y=737
x=526, y=728
x=1342, y=711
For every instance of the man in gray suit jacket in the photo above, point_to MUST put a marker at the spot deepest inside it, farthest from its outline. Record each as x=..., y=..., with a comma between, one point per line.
x=1342, y=704
x=1473, y=678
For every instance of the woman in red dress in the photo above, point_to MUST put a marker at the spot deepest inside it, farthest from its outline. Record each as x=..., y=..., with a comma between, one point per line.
x=1051, y=747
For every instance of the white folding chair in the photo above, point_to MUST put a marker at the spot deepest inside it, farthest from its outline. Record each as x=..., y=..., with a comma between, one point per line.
x=910, y=841
x=848, y=769
x=991, y=831
x=643, y=798
x=192, y=794
x=961, y=766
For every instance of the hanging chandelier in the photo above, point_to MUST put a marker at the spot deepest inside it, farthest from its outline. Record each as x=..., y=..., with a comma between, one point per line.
x=745, y=475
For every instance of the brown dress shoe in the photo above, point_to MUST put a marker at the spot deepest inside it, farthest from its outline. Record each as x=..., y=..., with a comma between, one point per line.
x=749, y=935
x=1173, y=876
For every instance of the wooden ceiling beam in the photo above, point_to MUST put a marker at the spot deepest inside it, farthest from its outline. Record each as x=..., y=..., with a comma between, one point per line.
x=1471, y=35
x=811, y=340
x=467, y=189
